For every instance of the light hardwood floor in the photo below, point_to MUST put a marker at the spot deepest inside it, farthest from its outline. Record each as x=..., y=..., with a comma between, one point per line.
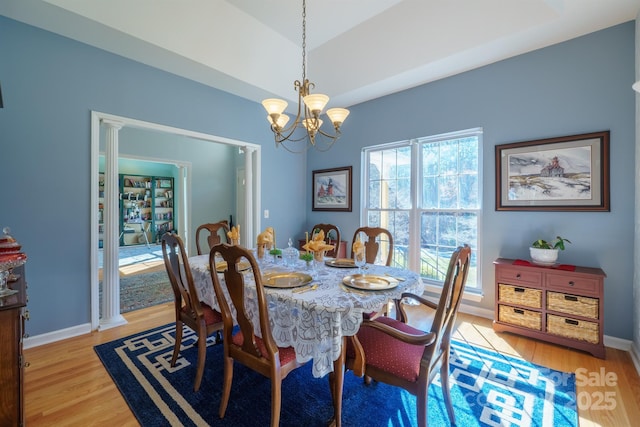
x=66, y=384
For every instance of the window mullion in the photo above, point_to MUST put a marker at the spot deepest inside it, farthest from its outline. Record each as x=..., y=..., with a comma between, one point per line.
x=414, y=214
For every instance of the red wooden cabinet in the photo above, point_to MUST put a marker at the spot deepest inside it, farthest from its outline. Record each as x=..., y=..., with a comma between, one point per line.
x=12, y=316
x=559, y=306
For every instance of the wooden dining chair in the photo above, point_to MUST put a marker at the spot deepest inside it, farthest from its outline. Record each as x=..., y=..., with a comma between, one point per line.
x=379, y=244
x=330, y=230
x=259, y=353
x=396, y=353
x=201, y=318
x=212, y=231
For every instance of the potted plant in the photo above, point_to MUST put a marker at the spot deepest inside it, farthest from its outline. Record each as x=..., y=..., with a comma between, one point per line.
x=546, y=253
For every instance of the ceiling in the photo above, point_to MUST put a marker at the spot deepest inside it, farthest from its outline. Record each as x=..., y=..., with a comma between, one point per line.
x=357, y=50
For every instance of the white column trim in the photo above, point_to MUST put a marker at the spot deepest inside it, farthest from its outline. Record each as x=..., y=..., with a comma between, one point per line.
x=247, y=238
x=111, y=316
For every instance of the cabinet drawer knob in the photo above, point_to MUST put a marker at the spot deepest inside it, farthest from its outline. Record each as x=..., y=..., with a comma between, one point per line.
x=518, y=311
x=571, y=283
x=571, y=322
x=518, y=276
x=570, y=298
x=518, y=289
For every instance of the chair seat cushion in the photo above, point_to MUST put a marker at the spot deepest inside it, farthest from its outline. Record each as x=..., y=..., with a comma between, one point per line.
x=286, y=354
x=211, y=316
x=388, y=354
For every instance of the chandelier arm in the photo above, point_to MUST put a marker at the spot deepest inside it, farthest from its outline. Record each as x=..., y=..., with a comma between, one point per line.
x=287, y=132
x=335, y=135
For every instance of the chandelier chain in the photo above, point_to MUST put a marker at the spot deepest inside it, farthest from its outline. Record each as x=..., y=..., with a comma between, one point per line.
x=304, y=40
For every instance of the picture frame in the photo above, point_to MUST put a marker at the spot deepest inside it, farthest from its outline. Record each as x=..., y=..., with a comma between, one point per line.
x=568, y=173
x=331, y=189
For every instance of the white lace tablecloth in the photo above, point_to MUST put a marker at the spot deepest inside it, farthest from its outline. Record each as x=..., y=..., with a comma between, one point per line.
x=313, y=322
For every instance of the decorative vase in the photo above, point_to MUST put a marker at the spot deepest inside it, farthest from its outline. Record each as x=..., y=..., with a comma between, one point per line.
x=545, y=257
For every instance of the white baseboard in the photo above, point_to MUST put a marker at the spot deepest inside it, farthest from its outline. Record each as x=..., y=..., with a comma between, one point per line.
x=617, y=343
x=635, y=357
x=58, y=335
x=477, y=311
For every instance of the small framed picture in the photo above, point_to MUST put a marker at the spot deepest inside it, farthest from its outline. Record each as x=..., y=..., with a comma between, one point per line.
x=332, y=189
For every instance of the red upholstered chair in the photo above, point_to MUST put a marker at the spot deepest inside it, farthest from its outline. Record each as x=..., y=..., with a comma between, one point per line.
x=212, y=231
x=259, y=354
x=189, y=310
x=396, y=353
x=377, y=238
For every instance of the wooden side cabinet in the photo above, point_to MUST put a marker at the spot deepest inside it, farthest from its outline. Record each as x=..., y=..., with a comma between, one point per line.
x=558, y=306
x=12, y=316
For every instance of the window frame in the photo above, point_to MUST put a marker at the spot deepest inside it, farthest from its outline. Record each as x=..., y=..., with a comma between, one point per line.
x=415, y=210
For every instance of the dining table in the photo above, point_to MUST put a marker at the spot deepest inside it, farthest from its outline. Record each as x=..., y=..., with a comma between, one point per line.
x=316, y=313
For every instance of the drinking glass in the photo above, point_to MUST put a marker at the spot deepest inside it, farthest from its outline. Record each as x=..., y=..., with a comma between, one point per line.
x=360, y=259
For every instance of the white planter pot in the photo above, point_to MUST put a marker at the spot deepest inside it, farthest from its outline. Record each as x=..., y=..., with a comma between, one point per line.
x=543, y=256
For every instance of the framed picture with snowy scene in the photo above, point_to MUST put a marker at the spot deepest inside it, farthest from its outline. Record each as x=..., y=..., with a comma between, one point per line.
x=569, y=173
x=332, y=189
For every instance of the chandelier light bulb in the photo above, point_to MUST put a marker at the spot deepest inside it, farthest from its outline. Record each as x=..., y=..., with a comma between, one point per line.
x=316, y=102
x=312, y=125
x=337, y=116
x=274, y=106
x=280, y=122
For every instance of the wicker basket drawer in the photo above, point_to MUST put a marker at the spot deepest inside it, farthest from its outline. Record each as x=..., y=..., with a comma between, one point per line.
x=519, y=295
x=572, y=304
x=572, y=283
x=518, y=316
x=571, y=328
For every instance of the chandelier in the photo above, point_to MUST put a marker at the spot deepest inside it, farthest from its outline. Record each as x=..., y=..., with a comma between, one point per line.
x=307, y=124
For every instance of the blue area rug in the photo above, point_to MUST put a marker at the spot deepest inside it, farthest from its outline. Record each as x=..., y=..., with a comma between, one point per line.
x=488, y=389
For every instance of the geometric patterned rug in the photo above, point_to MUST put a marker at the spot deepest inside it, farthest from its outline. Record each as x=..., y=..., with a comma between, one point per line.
x=488, y=389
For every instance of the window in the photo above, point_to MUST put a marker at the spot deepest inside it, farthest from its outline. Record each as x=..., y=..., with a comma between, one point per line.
x=426, y=192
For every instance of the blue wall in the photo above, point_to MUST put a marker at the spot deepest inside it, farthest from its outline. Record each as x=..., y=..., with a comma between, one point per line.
x=579, y=86
x=50, y=85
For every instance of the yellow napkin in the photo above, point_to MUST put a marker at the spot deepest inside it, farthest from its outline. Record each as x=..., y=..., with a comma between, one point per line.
x=266, y=237
x=358, y=248
x=317, y=244
x=265, y=241
x=234, y=234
